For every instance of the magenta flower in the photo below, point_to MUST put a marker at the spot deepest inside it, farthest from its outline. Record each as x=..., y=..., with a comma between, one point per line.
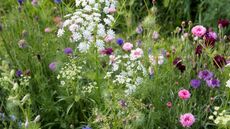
x=127, y=46
x=198, y=50
x=187, y=120
x=213, y=83
x=169, y=104
x=184, y=94
x=199, y=30
x=210, y=38
x=195, y=83
x=205, y=74
x=179, y=65
x=107, y=51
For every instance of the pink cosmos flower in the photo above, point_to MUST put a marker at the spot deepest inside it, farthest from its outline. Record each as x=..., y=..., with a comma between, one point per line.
x=135, y=54
x=199, y=30
x=184, y=94
x=127, y=46
x=187, y=120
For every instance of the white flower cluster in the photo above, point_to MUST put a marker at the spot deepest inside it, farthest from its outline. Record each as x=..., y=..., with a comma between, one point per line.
x=220, y=118
x=130, y=72
x=90, y=24
x=69, y=72
x=154, y=60
x=90, y=87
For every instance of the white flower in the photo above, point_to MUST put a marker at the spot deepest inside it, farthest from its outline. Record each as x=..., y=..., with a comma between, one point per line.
x=100, y=44
x=228, y=84
x=83, y=47
x=60, y=32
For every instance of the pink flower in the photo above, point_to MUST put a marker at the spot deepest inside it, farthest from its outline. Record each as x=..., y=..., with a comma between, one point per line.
x=112, y=10
x=198, y=30
x=108, y=38
x=187, y=120
x=127, y=46
x=47, y=30
x=169, y=104
x=135, y=54
x=184, y=94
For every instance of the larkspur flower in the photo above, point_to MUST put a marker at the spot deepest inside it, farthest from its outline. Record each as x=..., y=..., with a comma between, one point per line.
x=127, y=46
x=195, y=83
x=52, y=66
x=205, y=74
x=120, y=41
x=184, y=94
x=198, y=30
x=187, y=120
x=213, y=83
x=68, y=51
x=219, y=61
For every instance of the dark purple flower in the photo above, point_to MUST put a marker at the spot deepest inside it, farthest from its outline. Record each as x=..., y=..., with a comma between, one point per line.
x=205, y=74
x=86, y=127
x=19, y=73
x=199, y=49
x=177, y=61
x=195, y=83
x=122, y=103
x=57, y=1
x=223, y=23
x=210, y=38
x=68, y=51
x=219, y=61
x=179, y=65
x=107, y=51
x=120, y=41
x=52, y=66
x=20, y=2
x=213, y=83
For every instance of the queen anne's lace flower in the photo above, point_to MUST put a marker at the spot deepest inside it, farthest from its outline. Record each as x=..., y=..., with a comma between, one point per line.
x=90, y=24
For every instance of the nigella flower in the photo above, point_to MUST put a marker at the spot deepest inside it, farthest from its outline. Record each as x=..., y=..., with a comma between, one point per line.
x=120, y=41
x=18, y=73
x=52, y=66
x=210, y=38
x=86, y=127
x=195, y=83
x=219, y=61
x=68, y=51
x=222, y=23
x=205, y=74
x=213, y=83
x=107, y=51
x=57, y=1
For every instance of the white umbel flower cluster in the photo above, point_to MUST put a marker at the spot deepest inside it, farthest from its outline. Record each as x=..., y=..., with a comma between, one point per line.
x=90, y=24
x=126, y=72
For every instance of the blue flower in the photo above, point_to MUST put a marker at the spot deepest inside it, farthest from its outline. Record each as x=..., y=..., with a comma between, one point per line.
x=18, y=73
x=120, y=41
x=86, y=127
x=20, y=2
x=12, y=117
x=57, y=1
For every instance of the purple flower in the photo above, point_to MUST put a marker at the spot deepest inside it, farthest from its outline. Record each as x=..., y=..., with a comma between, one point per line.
x=18, y=73
x=139, y=43
x=223, y=23
x=210, y=38
x=139, y=29
x=120, y=41
x=68, y=51
x=53, y=66
x=205, y=74
x=57, y=1
x=107, y=51
x=198, y=50
x=86, y=127
x=195, y=83
x=213, y=83
x=20, y=2
x=219, y=61
x=122, y=103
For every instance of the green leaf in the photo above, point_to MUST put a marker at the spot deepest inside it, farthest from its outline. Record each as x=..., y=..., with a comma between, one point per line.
x=69, y=107
x=166, y=3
